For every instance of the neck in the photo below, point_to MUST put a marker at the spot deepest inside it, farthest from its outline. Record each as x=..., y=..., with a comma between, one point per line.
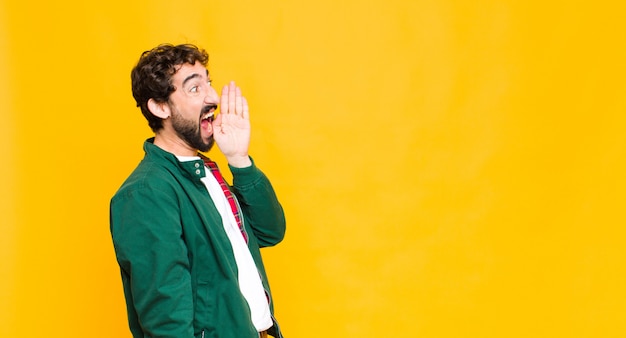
x=173, y=145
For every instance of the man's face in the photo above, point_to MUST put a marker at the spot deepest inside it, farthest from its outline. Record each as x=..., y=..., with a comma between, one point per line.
x=193, y=105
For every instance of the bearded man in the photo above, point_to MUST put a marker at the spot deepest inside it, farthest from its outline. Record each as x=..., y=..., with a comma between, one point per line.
x=188, y=243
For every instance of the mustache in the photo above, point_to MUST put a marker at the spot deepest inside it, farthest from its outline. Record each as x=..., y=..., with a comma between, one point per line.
x=208, y=108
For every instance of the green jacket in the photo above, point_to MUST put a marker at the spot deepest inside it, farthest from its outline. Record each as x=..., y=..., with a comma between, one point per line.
x=178, y=270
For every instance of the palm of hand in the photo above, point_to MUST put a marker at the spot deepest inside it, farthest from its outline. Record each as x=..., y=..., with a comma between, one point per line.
x=232, y=134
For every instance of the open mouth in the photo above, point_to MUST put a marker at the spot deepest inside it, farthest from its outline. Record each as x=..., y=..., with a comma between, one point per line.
x=208, y=113
x=208, y=116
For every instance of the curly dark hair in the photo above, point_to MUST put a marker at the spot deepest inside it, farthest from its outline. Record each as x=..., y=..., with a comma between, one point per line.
x=151, y=78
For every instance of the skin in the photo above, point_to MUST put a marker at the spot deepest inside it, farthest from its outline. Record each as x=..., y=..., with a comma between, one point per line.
x=230, y=129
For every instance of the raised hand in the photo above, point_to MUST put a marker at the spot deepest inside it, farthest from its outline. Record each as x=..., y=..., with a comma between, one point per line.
x=231, y=128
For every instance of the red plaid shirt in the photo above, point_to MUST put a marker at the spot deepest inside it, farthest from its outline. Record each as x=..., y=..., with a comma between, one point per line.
x=232, y=201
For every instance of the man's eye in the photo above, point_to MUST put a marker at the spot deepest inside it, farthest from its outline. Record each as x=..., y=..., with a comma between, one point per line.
x=209, y=82
x=194, y=89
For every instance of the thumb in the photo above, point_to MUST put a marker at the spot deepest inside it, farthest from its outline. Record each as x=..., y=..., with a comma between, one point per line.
x=217, y=122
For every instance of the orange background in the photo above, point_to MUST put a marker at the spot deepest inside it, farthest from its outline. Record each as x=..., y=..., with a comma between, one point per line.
x=448, y=168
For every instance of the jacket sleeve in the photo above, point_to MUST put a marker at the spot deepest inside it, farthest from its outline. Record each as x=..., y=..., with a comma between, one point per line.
x=262, y=212
x=147, y=236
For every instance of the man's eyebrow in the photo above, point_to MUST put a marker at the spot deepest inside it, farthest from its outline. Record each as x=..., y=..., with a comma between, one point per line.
x=190, y=77
x=193, y=76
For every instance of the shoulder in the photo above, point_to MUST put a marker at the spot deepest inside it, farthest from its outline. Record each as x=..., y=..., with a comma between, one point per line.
x=149, y=178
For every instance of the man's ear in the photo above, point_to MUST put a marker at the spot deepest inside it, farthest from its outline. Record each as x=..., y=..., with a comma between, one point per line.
x=161, y=110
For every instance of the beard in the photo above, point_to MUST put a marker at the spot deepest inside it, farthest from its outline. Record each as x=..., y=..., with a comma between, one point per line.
x=189, y=131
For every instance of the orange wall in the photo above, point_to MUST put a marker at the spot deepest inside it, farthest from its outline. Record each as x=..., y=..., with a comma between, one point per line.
x=448, y=168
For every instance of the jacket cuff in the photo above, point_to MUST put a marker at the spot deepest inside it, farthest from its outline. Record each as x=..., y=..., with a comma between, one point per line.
x=243, y=177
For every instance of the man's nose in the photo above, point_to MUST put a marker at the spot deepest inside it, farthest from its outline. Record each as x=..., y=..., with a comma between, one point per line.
x=211, y=96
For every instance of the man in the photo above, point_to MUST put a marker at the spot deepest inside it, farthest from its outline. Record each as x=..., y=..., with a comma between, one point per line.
x=187, y=243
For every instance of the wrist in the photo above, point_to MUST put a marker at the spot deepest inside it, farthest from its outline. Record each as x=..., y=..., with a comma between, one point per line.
x=239, y=161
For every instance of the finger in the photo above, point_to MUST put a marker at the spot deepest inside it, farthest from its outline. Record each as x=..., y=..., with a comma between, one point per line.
x=224, y=100
x=231, y=98
x=245, y=114
x=238, y=102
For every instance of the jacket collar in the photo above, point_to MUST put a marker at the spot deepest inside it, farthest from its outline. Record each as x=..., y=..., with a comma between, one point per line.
x=194, y=169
